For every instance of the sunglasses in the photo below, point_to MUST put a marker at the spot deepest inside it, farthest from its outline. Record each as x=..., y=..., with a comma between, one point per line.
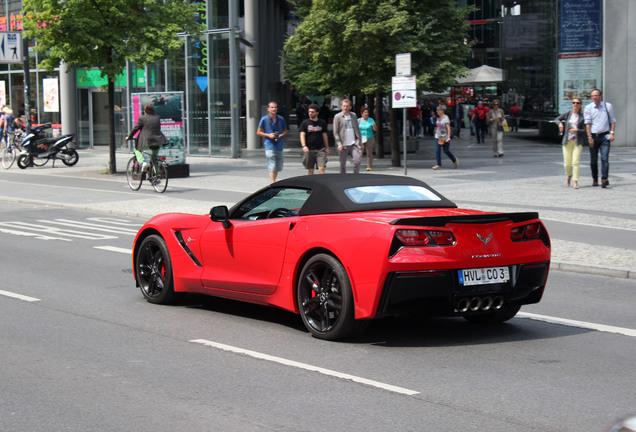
x=576, y=103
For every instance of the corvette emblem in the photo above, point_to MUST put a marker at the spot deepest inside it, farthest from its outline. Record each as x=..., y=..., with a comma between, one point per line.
x=484, y=240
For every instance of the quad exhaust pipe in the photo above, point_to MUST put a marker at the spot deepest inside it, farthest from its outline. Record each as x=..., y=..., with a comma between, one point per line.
x=475, y=304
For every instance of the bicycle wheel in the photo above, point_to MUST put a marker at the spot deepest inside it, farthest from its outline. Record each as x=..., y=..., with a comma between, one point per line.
x=38, y=162
x=133, y=174
x=8, y=157
x=160, y=176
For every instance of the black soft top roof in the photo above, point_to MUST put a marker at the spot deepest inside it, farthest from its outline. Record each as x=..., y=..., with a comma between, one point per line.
x=328, y=193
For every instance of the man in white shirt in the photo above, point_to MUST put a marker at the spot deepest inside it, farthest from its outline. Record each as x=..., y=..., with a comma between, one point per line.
x=599, y=124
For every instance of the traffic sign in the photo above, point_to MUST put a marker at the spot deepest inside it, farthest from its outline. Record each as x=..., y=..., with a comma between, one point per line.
x=11, y=47
x=403, y=64
x=404, y=99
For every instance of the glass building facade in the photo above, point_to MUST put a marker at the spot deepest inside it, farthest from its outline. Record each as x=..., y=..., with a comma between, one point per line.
x=537, y=44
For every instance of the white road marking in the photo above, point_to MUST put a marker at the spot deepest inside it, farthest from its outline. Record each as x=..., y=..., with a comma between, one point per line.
x=580, y=324
x=52, y=231
x=90, y=226
x=18, y=296
x=114, y=249
x=572, y=222
x=305, y=366
x=28, y=234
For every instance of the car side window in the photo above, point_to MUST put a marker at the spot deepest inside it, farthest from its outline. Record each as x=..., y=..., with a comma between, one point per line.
x=272, y=203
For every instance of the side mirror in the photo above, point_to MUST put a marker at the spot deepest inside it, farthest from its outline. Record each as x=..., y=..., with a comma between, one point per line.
x=221, y=214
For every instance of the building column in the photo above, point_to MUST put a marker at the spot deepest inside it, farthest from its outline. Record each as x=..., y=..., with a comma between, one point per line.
x=68, y=106
x=252, y=75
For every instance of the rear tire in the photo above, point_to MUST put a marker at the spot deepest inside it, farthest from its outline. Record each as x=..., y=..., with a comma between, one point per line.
x=8, y=157
x=325, y=299
x=71, y=157
x=160, y=179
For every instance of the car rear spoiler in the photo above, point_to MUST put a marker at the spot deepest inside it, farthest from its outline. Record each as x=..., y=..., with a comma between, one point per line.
x=440, y=221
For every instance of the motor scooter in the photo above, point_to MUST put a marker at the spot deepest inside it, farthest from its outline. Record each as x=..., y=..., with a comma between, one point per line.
x=38, y=148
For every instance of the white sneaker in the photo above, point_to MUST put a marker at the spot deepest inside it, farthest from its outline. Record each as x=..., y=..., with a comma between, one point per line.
x=436, y=167
x=456, y=162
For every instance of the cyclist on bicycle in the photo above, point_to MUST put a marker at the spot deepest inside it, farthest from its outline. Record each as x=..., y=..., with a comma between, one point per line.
x=150, y=136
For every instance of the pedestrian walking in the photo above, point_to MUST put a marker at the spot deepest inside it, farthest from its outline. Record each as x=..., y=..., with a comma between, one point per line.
x=314, y=141
x=495, y=120
x=599, y=125
x=443, y=138
x=479, y=120
x=368, y=128
x=272, y=128
x=572, y=126
x=347, y=136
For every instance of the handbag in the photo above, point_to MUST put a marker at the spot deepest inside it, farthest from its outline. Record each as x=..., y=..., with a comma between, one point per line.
x=505, y=126
x=441, y=141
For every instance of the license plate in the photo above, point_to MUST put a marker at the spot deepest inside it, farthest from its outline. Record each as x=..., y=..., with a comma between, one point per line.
x=482, y=276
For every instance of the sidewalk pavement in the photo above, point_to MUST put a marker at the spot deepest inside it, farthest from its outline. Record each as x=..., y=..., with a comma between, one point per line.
x=530, y=177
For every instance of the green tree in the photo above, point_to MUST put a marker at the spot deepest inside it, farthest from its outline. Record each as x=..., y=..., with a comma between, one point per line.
x=348, y=47
x=105, y=34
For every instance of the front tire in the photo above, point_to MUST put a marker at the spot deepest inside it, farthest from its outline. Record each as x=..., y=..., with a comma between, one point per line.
x=153, y=270
x=25, y=161
x=134, y=175
x=70, y=157
x=325, y=299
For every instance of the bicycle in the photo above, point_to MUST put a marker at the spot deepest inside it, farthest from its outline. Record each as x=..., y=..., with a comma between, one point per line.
x=156, y=172
x=12, y=149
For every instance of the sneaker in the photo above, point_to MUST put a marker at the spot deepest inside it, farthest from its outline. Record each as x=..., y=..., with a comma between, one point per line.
x=456, y=162
x=436, y=167
x=605, y=183
x=369, y=169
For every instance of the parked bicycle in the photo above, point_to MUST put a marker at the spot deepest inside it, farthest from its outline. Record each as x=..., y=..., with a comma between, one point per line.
x=154, y=169
x=12, y=148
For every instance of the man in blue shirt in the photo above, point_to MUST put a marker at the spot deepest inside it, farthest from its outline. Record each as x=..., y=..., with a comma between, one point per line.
x=599, y=124
x=272, y=128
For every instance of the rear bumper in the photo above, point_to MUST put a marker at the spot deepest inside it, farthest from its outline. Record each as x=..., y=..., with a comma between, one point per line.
x=439, y=292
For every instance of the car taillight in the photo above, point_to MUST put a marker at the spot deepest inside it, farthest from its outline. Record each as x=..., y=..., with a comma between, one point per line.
x=412, y=237
x=526, y=232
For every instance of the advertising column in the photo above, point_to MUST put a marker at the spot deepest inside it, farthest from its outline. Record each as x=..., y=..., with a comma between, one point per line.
x=580, y=61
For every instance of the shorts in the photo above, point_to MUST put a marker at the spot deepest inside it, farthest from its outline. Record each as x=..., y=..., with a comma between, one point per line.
x=315, y=158
x=274, y=160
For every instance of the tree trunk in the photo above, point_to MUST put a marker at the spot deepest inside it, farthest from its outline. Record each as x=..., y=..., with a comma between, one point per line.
x=112, y=166
x=395, y=137
x=379, y=138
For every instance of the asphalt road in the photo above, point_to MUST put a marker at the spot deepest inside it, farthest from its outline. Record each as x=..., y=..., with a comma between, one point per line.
x=83, y=351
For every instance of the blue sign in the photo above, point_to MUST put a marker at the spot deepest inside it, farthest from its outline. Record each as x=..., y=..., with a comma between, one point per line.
x=581, y=25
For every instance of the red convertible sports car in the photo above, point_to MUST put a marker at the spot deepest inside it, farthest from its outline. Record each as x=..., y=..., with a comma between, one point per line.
x=341, y=250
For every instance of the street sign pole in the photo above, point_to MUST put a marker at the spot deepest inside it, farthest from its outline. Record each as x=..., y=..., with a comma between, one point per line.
x=404, y=96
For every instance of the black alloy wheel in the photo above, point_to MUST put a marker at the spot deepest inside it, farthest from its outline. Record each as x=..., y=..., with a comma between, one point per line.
x=153, y=270
x=325, y=299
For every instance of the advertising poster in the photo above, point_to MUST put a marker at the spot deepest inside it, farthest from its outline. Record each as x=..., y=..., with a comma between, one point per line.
x=579, y=74
x=581, y=25
x=51, y=92
x=3, y=94
x=169, y=107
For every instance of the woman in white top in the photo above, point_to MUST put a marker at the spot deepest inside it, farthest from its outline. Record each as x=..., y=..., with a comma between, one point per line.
x=573, y=123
